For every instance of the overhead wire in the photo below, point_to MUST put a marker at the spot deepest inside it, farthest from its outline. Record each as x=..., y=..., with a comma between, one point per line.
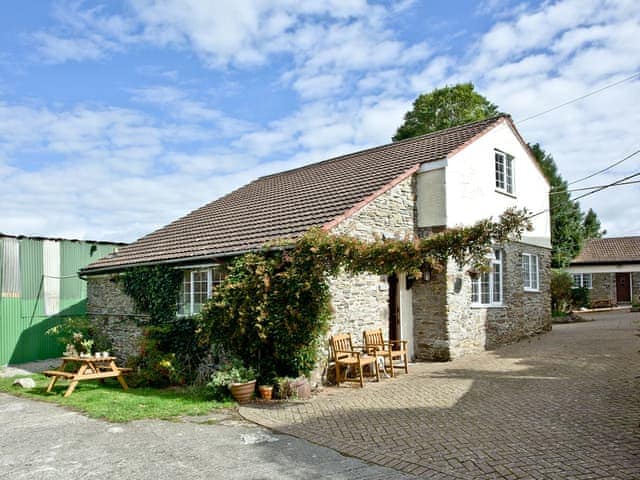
x=622, y=181
x=558, y=192
x=606, y=168
x=577, y=99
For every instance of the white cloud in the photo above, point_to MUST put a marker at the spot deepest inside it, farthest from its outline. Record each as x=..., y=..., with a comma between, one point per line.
x=125, y=172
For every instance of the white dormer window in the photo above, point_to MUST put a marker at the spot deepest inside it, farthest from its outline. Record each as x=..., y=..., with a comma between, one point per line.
x=504, y=172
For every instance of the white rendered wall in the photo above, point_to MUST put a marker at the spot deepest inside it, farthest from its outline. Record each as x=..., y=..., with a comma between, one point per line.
x=471, y=192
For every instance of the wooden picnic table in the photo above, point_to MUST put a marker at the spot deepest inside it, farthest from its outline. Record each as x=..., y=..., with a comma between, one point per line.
x=86, y=368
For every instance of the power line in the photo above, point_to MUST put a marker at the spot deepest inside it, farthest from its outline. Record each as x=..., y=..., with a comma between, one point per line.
x=622, y=181
x=579, y=98
x=606, y=168
x=558, y=192
x=607, y=186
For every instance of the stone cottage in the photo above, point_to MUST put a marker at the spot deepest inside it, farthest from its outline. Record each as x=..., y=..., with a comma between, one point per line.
x=610, y=269
x=413, y=187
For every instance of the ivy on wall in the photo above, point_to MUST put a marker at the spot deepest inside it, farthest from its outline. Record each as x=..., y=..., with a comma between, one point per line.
x=172, y=348
x=273, y=307
x=154, y=290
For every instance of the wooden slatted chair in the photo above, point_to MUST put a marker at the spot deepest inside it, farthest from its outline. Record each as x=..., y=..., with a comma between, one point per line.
x=345, y=356
x=375, y=345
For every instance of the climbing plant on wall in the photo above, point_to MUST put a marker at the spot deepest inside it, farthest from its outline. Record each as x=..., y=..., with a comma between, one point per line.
x=172, y=348
x=273, y=306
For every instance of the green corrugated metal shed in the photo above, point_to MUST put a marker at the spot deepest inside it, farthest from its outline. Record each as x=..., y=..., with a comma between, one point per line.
x=39, y=285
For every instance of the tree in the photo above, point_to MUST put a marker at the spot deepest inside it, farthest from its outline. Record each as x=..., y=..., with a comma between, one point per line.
x=443, y=108
x=570, y=227
x=591, y=225
x=459, y=104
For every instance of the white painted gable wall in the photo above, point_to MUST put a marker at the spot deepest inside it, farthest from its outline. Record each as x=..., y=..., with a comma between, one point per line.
x=470, y=194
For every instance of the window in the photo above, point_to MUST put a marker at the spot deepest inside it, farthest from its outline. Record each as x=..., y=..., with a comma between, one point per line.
x=504, y=172
x=197, y=286
x=530, y=272
x=486, y=288
x=582, y=280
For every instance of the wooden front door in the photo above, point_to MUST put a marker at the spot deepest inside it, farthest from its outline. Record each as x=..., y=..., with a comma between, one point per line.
x=623, y=287
x=394, y=308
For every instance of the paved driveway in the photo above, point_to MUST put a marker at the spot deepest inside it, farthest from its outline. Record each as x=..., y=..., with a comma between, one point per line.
x=40, y=441
x=563, y=405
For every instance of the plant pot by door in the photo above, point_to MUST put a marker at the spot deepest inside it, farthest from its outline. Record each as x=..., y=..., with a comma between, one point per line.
x=242, y=392
x=266, y=391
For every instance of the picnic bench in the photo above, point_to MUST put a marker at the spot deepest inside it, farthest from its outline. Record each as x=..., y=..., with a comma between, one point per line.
x=86, y=368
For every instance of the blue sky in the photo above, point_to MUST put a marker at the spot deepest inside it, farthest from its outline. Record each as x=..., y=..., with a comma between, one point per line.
x=118, y=117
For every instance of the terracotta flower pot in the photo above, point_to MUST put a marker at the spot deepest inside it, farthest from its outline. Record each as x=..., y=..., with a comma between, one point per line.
x=266, y=391
x=243, y=392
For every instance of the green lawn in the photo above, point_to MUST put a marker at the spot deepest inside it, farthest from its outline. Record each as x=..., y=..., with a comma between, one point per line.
x=109, y=401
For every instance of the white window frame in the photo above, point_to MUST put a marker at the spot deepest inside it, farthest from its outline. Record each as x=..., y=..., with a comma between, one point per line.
x=494, y=291
x=505, y=174
x=531, y=276
x=583, y=280
x=214, y=277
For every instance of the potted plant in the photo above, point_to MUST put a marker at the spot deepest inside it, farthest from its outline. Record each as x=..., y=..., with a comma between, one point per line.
x=266, y=391
x=238, y=378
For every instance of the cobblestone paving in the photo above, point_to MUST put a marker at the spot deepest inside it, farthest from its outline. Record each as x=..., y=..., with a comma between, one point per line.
x=565, y=405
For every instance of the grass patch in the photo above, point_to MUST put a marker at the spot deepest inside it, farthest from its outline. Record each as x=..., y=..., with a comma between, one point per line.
x=108, y=401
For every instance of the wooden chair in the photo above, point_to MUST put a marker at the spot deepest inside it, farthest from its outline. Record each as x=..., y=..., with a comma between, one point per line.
x=375, y=345
x=345, y=356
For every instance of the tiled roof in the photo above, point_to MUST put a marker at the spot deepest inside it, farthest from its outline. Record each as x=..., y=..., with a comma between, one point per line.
x=609, y=250
x=287, y=204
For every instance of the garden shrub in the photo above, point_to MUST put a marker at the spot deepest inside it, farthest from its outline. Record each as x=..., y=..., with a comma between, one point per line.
x=80, y=333
x=561, y=286
x=269, y=315
x=580, y=297
x=172, y=348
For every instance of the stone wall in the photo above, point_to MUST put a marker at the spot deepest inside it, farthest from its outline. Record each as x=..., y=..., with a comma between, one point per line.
x=446, y=324
x=603, y=286
x=524, y=313
x=362, y=301
x=112, y=311
x=359, y=302
x=635, y=287
x=430, y=318
x=467, y=326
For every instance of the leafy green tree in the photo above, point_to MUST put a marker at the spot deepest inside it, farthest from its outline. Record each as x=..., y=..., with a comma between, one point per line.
x=591, y=225
x=570, y=227
x=443, y=108
x=459, y=104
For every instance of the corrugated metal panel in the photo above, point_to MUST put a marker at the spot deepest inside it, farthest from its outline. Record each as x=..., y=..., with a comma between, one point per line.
x=10, y=327
x=23, y=320
x=10, y=268
x=51, y=276
x=31, y=270
x=1, y=268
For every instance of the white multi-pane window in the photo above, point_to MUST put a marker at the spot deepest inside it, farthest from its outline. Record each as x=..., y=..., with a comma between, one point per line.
x=582, y=280
x=486, y=288
x=504, y=172
x=197, y=287
x=530, y=272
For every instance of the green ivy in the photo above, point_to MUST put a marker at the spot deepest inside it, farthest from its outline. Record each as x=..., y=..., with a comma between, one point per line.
x=172, y=348
x=274, y=307
x=154, y=291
